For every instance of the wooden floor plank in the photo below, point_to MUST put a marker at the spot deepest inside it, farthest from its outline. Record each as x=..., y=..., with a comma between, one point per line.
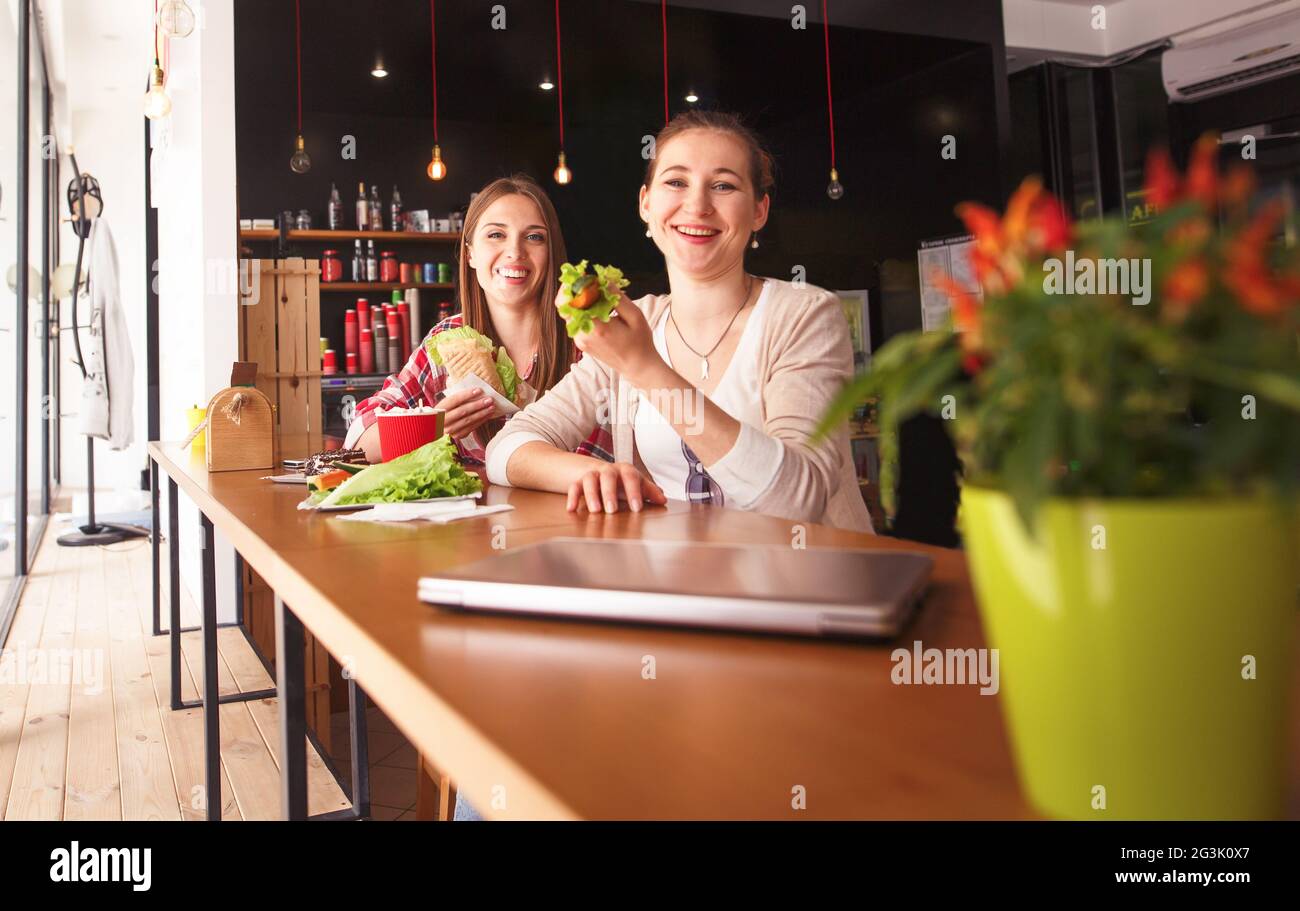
x=103, y=742
x=93, y=790
x=24, y=637
x=147, y=785
x=323, y=792
x=37, y=791
x=183, y=730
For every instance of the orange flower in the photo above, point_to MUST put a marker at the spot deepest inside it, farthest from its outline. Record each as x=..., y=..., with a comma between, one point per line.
x=966, y=316
x=1247, y=272
x=1193, y=232
x=1186, y=286
x=1162, y=184
x=1203, y=171
x=1034, y=223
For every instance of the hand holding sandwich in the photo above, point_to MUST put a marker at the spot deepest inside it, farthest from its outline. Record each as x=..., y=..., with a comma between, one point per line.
x=603, y=322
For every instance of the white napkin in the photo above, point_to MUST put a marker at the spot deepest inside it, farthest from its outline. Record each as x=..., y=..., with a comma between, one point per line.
x=440, y=513
x=504, y=406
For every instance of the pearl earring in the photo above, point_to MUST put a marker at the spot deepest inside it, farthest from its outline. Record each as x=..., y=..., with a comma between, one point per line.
x=753, y=244
x=647, y=231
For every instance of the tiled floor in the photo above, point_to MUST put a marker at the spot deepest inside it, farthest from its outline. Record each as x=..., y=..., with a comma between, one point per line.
x=392, y=765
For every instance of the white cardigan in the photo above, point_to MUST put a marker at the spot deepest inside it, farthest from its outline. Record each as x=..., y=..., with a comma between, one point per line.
x=106, y=396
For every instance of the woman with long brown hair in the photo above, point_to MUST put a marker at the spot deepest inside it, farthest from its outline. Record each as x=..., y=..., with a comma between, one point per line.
x=508, y=265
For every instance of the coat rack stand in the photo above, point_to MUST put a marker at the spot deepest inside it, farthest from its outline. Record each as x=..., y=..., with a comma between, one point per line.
x=93, y=533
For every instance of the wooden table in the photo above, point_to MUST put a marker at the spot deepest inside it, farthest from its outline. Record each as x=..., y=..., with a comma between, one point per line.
x=554, y=719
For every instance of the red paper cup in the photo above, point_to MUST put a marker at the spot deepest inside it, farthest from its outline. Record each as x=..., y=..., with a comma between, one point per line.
x=403, y=433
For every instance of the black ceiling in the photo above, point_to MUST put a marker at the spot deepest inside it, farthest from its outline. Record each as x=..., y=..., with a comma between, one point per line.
x=755, y=64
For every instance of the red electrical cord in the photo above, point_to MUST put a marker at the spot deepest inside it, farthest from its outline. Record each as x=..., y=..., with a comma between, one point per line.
x=297, y=27
x=663, y=12
x=559, y=71
x=433, y=41
x=830, y=107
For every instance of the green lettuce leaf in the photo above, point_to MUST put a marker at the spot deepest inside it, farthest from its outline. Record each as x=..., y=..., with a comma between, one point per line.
x=451, y=335
x=424, y=473
x=572, y=280
x=506, y=370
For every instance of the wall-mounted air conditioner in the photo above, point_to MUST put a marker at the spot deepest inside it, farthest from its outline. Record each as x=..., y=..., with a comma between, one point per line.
x=1207, y=66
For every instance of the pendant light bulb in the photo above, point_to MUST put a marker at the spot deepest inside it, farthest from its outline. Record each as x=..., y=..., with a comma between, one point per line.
x=156, y=103
x=300, y=161
x=562, y=173
x=175, y=19
x=437, y=169
x=835, y=189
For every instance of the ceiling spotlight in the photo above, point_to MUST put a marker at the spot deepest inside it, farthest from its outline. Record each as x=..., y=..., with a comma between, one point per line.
x=691, y=97
x=379, y=72
x=546, y=85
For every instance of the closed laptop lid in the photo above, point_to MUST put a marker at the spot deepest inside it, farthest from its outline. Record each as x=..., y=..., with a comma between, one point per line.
x=781, y=588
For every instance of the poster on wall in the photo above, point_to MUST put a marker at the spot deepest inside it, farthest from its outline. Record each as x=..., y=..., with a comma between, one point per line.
x=950, y=257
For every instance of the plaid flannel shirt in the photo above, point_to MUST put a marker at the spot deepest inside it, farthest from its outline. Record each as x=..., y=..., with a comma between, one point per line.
x=421, y=382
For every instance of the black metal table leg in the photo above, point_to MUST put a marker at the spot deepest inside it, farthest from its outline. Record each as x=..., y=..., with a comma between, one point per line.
x=357, y=704
x=211, y=694
x=291, y=687
x=174, y=589
x=156, y=529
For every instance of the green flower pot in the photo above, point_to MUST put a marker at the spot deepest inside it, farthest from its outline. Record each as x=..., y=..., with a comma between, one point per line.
x=1129, y=632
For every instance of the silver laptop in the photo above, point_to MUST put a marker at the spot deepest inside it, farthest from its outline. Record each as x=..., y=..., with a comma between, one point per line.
x=816, y=591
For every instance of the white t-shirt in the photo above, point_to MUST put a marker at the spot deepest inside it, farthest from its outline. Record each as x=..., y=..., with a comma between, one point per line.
x=667, y=456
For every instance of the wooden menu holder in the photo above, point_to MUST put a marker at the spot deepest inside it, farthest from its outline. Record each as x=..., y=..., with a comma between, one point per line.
x=240, y=425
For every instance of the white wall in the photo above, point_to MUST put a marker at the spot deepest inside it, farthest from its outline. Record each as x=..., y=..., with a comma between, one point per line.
x=197, y=244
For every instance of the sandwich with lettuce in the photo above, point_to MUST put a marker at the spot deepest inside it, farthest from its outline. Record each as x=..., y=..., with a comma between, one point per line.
x=426, y=473
x=588, y=296
x=463, y=351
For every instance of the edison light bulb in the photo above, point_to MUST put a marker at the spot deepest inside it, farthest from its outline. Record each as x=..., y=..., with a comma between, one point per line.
x=156, y=103
x=300, y=161
x=437, y=169
x=175, y=19
x=562, y=173
x=835, y=189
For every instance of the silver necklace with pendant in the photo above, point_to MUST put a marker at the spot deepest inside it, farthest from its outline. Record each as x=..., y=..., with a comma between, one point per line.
x=704, y=358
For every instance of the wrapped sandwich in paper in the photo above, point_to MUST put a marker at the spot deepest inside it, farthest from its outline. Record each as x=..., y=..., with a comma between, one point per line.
x=467, y=352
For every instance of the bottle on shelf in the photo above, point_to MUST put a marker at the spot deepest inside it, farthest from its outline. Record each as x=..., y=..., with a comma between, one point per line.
x=372, y=263
x=363, y=208
x=335, y=209
x=395, y=211
x=358, y=263
x=376, y=209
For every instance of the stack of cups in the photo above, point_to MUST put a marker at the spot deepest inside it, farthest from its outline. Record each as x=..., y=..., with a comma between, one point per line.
x=350, y=339
x=367, y=350
x=381, y=347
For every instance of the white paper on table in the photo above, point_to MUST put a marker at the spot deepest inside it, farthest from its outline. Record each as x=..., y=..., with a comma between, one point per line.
x=505, y=407
x=439, y=513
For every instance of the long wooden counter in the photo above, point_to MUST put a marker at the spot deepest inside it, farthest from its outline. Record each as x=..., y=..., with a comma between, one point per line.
x=554, y=719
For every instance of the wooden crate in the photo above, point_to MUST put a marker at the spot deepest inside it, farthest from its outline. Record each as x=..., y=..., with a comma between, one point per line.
x=279, y=330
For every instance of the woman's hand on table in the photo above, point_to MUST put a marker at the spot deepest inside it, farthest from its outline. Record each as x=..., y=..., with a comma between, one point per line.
x=601, y=488
x=625, y=343
x=465, y=410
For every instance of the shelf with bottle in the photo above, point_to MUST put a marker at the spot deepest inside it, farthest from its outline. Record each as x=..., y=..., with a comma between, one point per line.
x=326, y=236
x=384, y=286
